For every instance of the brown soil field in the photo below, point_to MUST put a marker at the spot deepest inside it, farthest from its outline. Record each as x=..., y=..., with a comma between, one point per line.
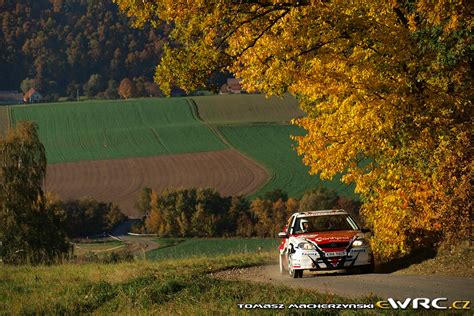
x=120, y=180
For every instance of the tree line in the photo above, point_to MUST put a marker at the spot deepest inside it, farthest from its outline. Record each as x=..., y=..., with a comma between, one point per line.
x=205, y=213
x=87, y=217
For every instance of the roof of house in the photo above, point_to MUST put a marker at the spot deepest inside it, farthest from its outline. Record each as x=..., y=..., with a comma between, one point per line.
x=233, y=81
x=234, y=84
x=30, y=93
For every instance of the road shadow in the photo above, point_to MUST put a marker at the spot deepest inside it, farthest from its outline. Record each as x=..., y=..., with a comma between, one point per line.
x=404, y=262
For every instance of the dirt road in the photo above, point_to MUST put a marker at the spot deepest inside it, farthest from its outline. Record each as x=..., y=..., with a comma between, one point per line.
x=137, y=245
x=392, y=285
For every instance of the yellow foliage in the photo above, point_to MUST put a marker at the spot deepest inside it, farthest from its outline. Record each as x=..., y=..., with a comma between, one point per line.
x=387, y=86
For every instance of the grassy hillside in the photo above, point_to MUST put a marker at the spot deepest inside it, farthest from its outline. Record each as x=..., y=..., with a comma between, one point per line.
x=166, y=288
x=238, y=119
x=247, y=108
x=212, y=247
x=97, y=130
x=101, y=130
x=271, y=145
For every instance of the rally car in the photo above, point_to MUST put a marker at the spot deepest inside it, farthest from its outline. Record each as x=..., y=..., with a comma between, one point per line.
x=324, y=240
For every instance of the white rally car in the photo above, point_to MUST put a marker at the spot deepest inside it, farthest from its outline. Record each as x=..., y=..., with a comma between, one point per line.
x=324, y=240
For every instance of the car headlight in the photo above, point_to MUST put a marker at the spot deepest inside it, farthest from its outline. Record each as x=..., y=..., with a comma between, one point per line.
x=360, y=242
x=306, y=246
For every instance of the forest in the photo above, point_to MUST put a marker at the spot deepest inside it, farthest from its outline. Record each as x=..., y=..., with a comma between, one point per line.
x=66, y=47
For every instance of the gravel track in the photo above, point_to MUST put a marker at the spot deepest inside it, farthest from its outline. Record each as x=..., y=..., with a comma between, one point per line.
x=397, y=286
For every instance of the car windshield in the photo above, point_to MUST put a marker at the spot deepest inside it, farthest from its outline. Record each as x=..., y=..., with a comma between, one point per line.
x=324, y=223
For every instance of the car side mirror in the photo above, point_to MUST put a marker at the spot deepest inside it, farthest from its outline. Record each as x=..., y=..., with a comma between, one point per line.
x=283, y=235
x=365, y=230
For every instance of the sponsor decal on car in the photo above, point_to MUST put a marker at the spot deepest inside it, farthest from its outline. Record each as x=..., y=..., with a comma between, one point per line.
x=332, y=238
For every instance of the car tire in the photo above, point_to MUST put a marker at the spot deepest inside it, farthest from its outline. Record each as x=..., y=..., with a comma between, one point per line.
x=294, y=273
x=299, y=273
x=370, y=268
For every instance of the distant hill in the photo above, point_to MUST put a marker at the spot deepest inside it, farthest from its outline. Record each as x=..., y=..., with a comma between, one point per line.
x=61, y=43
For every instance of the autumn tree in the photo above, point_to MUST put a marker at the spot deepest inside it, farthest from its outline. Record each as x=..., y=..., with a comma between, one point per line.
x=239, y=218
x=386, y=85
x=27, y=84
x=139, y=83
x=152, y=90
x=111, y=91
x=31, y=230
x=143, y=203
x=154, y=222
x=126, y=88
x=272, y=216
x=319, y=199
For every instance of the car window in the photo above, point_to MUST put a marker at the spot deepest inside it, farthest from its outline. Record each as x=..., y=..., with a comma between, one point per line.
x=323, y=223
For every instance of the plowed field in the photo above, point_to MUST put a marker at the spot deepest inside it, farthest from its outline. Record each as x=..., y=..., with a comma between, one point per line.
x=120, y=180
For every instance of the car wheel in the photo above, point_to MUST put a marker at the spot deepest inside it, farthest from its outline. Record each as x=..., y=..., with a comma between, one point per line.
x=370, y=268
x=294, y=273
x=299, y=273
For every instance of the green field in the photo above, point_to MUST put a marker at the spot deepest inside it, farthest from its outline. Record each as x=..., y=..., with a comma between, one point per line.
x=212, y=247
x=97, y=130
x=271, y=145
x=237, y=118
x=247, y=108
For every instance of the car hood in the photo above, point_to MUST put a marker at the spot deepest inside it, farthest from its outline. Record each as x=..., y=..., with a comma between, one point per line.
x=328, y=237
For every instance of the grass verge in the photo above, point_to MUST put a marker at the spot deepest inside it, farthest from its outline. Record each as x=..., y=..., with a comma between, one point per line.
x=178, y=287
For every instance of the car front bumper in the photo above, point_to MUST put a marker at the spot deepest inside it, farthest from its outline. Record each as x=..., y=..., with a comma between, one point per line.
x=312, y=260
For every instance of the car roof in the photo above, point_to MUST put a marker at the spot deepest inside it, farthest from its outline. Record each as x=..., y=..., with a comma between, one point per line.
x=320, y=213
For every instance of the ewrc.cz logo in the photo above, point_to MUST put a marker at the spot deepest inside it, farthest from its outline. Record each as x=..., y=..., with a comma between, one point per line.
x=307, y=306
x=425, y=303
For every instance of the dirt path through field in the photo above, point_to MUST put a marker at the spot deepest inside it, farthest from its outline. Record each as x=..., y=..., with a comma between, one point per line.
x=120, y=180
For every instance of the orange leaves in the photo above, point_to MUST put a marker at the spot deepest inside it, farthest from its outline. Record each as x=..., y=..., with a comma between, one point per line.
x=387, y=87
